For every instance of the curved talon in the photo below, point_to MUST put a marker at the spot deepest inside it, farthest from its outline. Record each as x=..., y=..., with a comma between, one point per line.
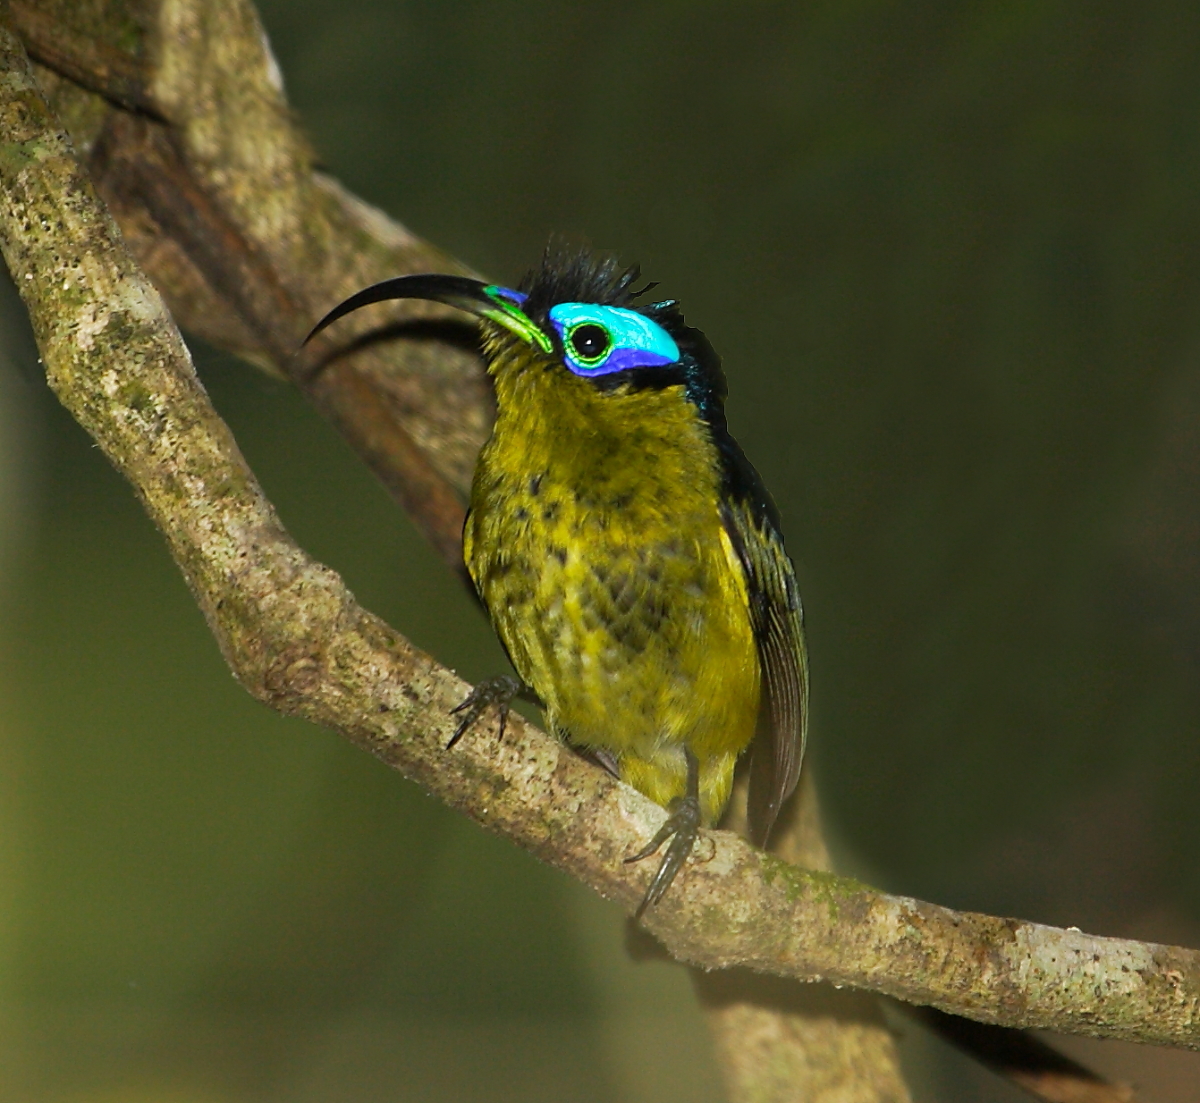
x=498, y=691
x=682, y=828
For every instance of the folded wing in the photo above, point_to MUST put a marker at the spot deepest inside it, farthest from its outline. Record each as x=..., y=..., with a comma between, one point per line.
x=778, y=622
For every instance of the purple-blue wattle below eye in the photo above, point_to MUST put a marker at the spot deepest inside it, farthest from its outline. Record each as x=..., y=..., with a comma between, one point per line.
x=590, y=342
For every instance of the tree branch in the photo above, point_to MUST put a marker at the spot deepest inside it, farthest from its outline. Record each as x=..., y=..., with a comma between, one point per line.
x=297, y=640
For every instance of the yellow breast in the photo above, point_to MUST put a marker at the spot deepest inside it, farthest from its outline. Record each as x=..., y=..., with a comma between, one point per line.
x=596, y=543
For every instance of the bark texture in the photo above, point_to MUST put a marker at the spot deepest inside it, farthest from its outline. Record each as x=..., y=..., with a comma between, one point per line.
x=779, y=1040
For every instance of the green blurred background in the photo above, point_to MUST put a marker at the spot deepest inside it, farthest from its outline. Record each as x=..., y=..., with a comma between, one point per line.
x=951, y=255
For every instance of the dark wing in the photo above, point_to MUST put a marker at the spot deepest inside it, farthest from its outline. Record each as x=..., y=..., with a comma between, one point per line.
x=778, y=622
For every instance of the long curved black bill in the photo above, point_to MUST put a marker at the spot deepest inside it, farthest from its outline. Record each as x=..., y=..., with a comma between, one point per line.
x=498, y=304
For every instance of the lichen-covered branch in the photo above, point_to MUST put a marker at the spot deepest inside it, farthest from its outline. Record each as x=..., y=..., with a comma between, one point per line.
x=296, y=638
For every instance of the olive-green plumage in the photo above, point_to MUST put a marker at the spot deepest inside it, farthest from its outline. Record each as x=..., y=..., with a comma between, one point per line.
x=596, y=542
x=626, y=551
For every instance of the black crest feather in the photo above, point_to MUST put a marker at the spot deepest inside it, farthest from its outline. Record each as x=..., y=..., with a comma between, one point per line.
x=574, y=274
x=571, y=273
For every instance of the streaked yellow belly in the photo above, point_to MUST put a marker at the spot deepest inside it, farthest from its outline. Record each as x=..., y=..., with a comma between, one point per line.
x=607, y=573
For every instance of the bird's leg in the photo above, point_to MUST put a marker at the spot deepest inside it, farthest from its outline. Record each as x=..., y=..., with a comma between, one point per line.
x=682, y=827
x=499, y=691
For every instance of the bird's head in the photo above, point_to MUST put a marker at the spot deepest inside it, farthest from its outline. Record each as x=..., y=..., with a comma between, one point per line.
x=576, y=314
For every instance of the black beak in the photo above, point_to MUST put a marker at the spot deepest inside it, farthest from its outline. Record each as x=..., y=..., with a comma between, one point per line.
x=484, y=300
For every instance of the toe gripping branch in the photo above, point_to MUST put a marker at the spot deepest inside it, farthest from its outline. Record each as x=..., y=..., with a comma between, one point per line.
x=499, y=691
x=682, y=827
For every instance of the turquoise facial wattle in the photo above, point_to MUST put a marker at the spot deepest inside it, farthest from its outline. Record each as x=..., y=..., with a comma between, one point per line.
x=596, y=340
x=599, y=340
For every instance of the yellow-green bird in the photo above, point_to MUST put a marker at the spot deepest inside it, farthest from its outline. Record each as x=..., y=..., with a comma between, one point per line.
x=628, y=555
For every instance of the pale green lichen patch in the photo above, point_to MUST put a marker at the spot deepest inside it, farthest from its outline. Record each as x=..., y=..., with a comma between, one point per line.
x=1174, y=988
x=1046, y=963
x=15, y=157
x=228, y=484
x=712, y=922
x=89, y=324
x=136, y=395
x=825, y=888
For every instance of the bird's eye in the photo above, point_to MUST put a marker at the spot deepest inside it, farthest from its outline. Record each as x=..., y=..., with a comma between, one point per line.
x=590, y=341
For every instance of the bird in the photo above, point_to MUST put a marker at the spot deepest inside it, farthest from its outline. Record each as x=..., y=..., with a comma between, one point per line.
x=627, y=553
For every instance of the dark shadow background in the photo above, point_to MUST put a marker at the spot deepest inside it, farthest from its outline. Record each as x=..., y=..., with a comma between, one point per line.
x=951, y=255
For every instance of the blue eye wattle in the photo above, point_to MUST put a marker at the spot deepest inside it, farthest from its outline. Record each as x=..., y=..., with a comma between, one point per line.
x=599, y=340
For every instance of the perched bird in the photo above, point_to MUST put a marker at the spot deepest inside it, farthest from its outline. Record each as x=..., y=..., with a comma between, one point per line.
x=626, y=551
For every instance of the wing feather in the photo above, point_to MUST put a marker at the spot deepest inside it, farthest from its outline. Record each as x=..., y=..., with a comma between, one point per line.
x=777, y=618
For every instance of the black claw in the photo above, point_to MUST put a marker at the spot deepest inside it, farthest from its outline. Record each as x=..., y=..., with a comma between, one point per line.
x=498, y=691
x=682, y=828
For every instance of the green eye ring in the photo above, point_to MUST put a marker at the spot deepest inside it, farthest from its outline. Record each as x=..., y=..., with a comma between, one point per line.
x=589, y=343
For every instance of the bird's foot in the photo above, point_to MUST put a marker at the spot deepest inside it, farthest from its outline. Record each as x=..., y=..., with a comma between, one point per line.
x=682, y=827
x=498, y=691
